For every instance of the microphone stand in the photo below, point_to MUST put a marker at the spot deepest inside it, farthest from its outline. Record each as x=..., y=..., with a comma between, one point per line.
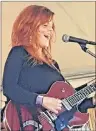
x=85, y=49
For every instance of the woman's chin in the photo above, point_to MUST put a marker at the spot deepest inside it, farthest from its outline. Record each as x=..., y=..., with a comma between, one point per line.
x=46, y=46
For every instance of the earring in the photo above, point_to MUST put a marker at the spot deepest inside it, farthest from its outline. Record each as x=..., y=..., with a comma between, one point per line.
x=30, y=39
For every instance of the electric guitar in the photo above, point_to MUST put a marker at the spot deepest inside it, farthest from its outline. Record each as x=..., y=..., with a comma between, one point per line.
x=68, y=117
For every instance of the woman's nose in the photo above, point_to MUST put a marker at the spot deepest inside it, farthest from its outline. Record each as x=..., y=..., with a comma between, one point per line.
x=50, y=29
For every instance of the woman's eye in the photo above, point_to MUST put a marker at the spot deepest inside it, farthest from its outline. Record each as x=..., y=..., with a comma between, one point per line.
x=45, y=25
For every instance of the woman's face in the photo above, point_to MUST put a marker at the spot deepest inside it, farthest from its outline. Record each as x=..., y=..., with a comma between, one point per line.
x=45, y=32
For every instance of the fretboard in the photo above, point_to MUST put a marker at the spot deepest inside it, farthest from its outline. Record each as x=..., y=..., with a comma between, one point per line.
x=79, y=96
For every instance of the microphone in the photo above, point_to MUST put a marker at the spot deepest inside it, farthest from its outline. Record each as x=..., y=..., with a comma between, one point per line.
x=67, y=38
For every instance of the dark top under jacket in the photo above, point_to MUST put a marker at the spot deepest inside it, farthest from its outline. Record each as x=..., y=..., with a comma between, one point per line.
x=23, y=80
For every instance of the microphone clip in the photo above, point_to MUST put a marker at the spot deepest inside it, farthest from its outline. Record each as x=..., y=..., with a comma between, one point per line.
x=85, y=49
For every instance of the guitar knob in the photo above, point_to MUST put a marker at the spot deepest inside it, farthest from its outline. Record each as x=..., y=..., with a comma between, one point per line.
x=63, y=90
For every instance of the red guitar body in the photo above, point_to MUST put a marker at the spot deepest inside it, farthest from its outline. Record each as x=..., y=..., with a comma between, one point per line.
x=59, y=90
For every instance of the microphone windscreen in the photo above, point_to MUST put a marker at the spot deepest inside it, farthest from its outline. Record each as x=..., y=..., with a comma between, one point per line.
x=65, y=38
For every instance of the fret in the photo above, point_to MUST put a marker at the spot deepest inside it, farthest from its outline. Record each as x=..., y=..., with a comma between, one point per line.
x=72, y=99
x=87, y=91
x=80, y=95
x=76, y=97
x=69, y=101
x=93, y=87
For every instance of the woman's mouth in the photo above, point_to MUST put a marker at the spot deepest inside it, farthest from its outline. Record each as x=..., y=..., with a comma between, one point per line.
x=47, y=36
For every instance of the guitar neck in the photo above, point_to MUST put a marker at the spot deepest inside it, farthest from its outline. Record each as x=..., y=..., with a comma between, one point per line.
x=81, y=95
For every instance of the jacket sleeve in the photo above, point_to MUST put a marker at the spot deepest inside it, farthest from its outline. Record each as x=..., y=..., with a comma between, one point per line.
x=12, y=69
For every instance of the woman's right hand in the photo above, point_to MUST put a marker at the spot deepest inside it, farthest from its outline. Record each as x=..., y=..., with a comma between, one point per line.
x=52, y=104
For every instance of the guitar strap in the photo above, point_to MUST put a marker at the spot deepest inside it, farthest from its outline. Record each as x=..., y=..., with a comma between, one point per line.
x=20, y=116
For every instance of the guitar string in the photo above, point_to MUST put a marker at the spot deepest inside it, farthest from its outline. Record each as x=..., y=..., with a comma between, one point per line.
x=72, y=99
x=80, y=94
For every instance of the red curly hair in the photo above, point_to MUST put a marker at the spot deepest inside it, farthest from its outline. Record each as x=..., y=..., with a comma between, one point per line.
x=25, y=28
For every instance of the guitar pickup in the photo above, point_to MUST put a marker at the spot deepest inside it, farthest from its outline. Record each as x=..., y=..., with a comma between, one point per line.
x=44, y=115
